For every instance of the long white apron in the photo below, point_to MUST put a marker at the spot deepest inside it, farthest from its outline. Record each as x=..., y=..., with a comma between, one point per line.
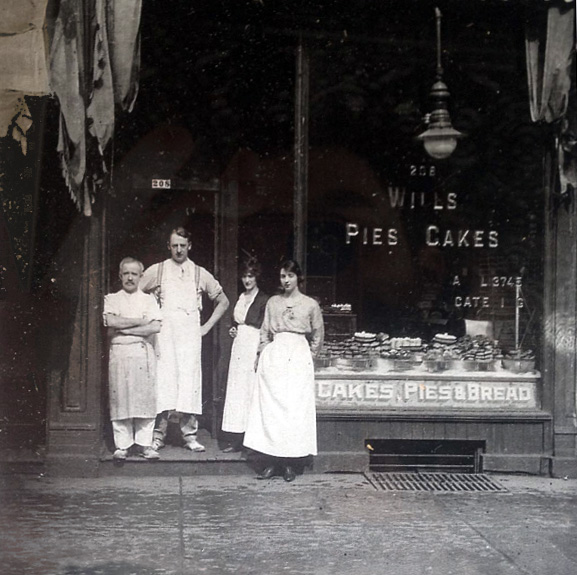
x=241, y=379
x=132, y=381
x=179, y=362
x=179, y=345
x=282, y=416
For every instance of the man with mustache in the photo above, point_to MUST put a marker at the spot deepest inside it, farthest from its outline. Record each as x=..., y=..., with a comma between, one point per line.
x=132, y=318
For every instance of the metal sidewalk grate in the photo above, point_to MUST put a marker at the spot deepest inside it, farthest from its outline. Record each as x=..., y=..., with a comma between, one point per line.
x=435, y=482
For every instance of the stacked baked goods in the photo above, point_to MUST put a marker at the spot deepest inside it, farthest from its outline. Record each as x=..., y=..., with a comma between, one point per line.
x=362, y=344
x=445, y=351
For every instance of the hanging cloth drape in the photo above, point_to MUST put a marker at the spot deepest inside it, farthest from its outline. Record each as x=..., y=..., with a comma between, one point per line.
x=23, y=67
x=67, y=81
x=94, y=63
x=22, y=53
x=124, y=37
x=550, y=49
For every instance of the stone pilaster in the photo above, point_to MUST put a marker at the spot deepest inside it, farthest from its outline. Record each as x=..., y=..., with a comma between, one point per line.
x=75, y=380
x=559, y=329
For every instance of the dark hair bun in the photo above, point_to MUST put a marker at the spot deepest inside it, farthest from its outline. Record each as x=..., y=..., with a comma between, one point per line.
x=251, y=266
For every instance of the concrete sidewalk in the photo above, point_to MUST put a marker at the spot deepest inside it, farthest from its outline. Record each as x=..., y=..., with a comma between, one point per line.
x=320, y=524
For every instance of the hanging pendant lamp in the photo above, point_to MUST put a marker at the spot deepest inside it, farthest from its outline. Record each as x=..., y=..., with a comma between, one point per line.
x=440, y=139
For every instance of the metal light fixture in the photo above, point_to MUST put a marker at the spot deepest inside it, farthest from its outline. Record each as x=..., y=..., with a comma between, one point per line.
x=440, y=139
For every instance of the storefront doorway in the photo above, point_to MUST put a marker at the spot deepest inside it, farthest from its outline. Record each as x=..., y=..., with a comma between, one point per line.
x=141, y=227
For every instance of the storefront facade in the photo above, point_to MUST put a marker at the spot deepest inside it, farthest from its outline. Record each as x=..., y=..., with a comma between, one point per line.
x=447, y=285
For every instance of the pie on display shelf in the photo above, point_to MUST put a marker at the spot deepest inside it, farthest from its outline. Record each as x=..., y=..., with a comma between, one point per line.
x=445, y=338
x=379, y=352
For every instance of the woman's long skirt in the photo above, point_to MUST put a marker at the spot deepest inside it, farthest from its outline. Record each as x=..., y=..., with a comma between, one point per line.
x=241, y=379
x=282, y=416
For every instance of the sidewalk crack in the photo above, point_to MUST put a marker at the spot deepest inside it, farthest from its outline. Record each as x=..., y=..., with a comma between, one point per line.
x=181, y=525
x=491, y=544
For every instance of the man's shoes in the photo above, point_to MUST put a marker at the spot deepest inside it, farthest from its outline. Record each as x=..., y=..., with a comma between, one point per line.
x=120, y=454
x=289, y=474
x=157, y=444
x=267, y=473
x=148, y=453
x=231, y=449
x=194, y=445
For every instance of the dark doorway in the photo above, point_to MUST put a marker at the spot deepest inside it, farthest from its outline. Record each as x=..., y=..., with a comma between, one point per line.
x=141, y=229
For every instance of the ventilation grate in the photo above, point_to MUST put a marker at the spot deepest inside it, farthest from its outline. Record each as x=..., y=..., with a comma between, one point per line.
x=434, y=482
x=424, y=456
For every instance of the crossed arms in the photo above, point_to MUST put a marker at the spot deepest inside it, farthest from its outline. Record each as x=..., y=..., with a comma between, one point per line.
x=132, y=325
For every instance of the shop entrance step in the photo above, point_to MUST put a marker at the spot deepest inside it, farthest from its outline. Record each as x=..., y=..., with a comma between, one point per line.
x=176, y=460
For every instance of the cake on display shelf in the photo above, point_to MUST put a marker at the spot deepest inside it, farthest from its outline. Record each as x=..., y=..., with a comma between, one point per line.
x=345, y=348
x=378, y=351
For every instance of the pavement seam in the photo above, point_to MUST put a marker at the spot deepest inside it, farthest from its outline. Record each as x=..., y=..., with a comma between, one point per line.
x=507, y=557
x=180, y=525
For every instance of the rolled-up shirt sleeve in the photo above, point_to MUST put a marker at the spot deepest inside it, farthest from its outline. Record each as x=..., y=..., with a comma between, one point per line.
x=209, y=284
x=149, y=280
x=110, y=308
x=153, y=311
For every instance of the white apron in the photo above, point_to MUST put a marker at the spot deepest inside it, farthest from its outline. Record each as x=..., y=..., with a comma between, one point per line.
x=241, y=379
x=179, y=347
x=282, y=417
x=132, y=381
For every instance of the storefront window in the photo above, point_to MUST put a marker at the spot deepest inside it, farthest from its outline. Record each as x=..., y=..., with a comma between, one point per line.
x=412, y=246
x=418, y=247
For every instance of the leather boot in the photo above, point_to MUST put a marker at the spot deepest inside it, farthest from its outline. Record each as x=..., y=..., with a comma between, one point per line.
x=289, y=474
x=267, y=473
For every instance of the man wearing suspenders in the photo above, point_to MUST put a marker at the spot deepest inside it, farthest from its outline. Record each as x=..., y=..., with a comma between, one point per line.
x=178, y=284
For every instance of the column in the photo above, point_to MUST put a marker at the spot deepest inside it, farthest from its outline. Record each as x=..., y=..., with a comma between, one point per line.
x=75, y=399
x=560, y=320
x=301, y=154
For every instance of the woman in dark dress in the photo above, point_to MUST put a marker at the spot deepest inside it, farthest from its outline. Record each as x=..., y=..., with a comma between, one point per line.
x=247, y=319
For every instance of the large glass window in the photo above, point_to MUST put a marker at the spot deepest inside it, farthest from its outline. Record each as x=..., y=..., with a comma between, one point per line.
x=417, y=246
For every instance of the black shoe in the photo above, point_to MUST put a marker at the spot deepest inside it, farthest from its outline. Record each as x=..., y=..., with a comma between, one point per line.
x=289, y=474
x=267, y=473
x=231, y=449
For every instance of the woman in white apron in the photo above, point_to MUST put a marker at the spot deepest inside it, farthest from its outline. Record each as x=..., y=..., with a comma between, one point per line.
x=248, y=316
x=282, y=417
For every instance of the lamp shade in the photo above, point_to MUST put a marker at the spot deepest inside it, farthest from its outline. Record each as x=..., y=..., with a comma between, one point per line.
x=440, y=143
x=440, y=138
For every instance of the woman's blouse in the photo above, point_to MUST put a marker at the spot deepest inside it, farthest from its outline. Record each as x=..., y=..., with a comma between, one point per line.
x=242, y=305
x=295, y=315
